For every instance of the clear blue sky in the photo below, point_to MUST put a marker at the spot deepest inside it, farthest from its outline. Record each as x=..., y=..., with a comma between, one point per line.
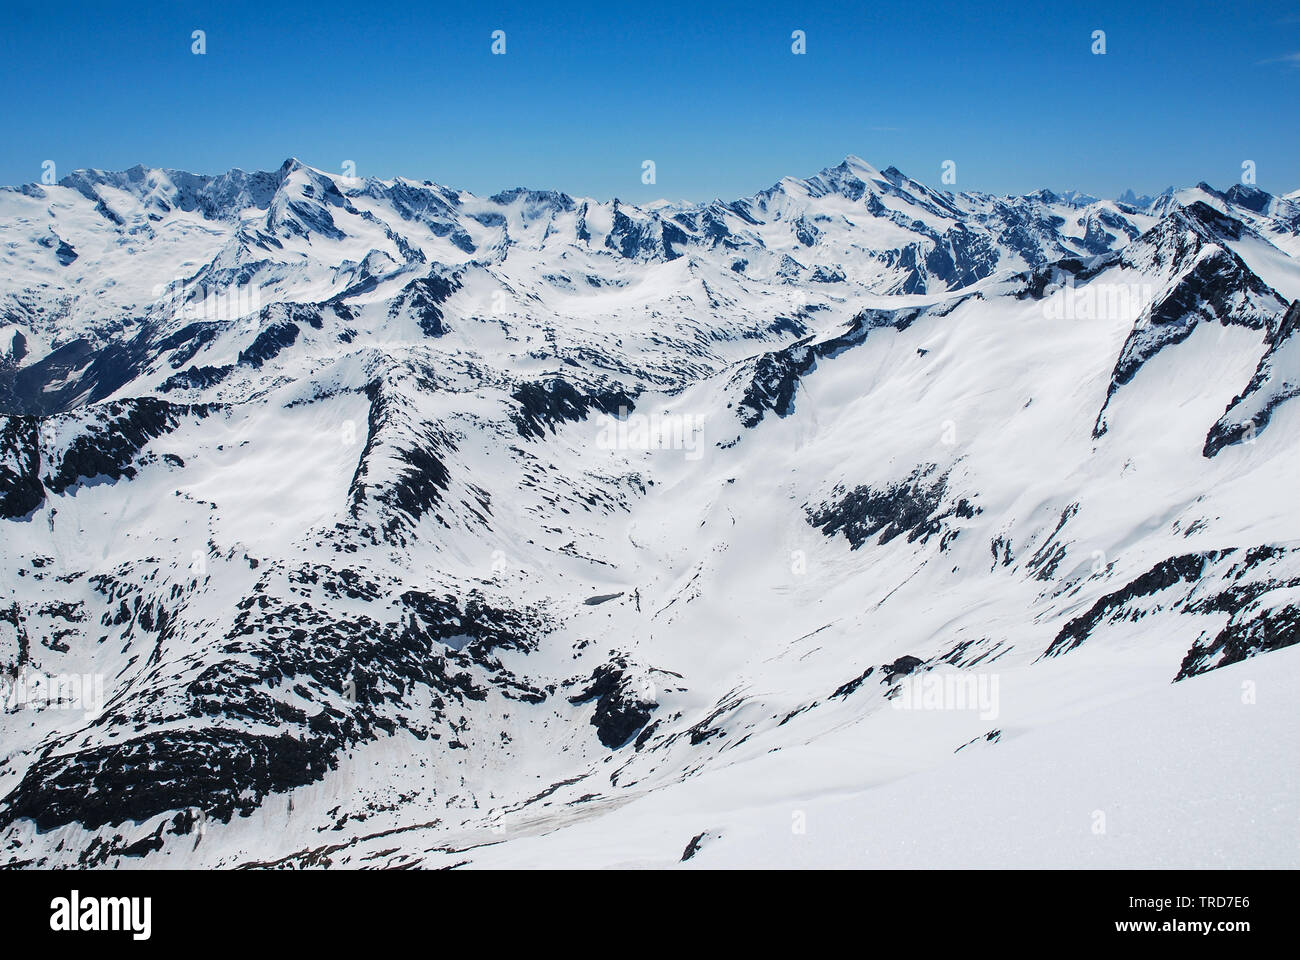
x=710, y=91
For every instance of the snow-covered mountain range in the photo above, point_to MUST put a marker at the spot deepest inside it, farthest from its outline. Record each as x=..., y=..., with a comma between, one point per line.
x=374, y=523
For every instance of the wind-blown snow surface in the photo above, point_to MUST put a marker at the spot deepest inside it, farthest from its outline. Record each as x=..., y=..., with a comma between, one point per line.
x=852, y=523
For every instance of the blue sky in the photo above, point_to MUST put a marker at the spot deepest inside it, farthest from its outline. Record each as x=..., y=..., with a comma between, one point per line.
x=711, y=92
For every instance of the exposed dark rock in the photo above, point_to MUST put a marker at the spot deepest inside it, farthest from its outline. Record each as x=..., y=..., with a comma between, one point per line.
x=620, y=710
x=196, y=378
x=543, y=404
x=775, y=376
x=21, y=491
x=1246, y=635
x=1218, y=288
x=1165, y=574
x=847, y=688
x=111, y=442
x=693, y=847
x=913, y=507
x=222, y=771
x=424, y=297
x=418, y=483
x=901, y=667
x=1229, y=429
x=269, y=343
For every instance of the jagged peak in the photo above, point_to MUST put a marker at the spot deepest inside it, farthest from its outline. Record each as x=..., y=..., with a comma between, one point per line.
x=854, y=164
x=293, y=164
x=1248, y=196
